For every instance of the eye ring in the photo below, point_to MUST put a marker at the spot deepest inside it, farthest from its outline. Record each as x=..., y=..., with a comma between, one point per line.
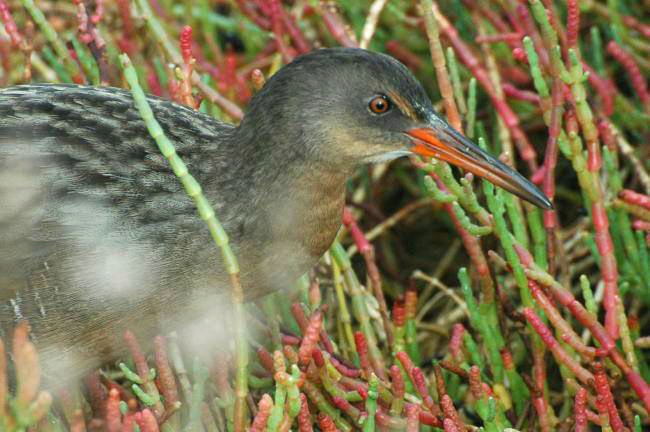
x=379, y=104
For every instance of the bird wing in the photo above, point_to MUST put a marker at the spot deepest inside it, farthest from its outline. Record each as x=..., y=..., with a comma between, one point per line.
x=94, y=226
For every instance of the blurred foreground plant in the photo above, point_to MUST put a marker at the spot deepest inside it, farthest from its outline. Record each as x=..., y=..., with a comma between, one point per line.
x=27, y=405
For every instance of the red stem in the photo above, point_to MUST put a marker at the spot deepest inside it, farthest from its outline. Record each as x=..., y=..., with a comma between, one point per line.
x=147, y=421
x=277, y=26
x=451, y=414
x=310, y=338
x=604, y=392
x=412, y=418
x=165, y=375
x=605, y=89
x=636, y=76
x=473, y=247
x=580, y=410
x=528, y=23
x=499, y=37
x=253, y=15
x=635, y=198
x=539, y=401
x=304, y=417
x=326, y=423
x=10, y=24
x=642, y=28
x=552, y=344
x=264, y=411
x=456, y=342
x=113, y=418
x=516, y=93
x=362, y=352
x=299, y=40
x=336, y=26
x=608, y=266
x=572, y=23
x=398, y=386
x=550, y=162
x=403, y=54
x=508, y=116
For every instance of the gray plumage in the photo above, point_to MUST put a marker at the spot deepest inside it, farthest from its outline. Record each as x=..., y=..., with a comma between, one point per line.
x=97, y=235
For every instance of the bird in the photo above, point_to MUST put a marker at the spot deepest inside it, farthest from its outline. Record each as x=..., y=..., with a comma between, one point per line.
x=98, y=236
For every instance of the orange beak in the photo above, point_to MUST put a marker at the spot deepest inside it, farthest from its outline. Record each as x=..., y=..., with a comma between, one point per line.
x=445, y=143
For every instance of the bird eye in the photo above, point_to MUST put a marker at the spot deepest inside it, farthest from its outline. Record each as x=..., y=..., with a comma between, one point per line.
x=379, y=104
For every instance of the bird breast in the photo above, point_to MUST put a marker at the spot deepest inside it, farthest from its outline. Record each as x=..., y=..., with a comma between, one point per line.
x=301, y=220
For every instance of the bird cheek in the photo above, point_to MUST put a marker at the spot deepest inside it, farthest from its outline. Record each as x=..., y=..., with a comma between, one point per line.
x=386, y=148
x=344, y=147
x=387, y=156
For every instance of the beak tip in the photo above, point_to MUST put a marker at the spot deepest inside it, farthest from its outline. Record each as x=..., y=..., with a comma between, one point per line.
x=534, y=196
x=539, y=198
x=547, y=204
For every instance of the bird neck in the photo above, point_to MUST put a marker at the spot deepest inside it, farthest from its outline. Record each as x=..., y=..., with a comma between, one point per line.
x=300, y=197
x=273, y=153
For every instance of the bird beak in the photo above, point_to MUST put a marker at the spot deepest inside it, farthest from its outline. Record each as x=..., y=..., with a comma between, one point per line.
x=444, y=143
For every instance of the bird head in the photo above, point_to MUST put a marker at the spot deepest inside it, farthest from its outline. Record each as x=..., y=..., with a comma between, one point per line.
x=344, y=107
